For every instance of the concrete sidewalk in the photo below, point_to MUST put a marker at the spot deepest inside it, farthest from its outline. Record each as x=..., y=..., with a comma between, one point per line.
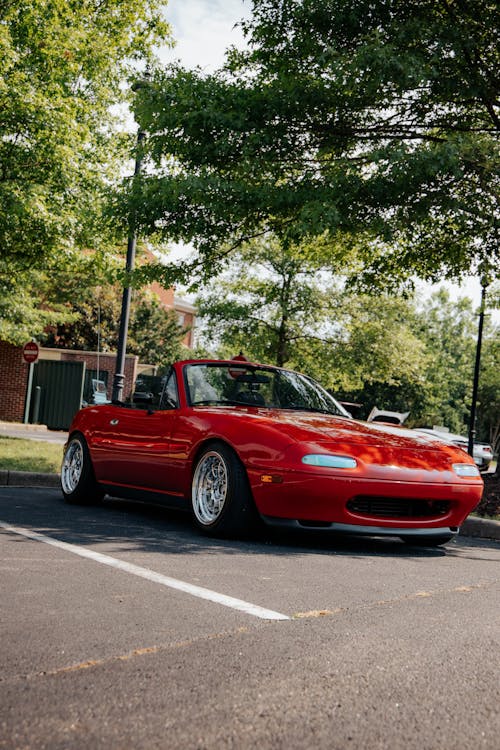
x=38, y=432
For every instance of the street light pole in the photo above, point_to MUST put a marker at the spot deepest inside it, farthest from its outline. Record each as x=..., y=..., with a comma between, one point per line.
x=475, y=387
x=119, y=377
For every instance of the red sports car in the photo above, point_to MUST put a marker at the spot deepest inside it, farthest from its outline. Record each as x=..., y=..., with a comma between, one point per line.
x=237, y=442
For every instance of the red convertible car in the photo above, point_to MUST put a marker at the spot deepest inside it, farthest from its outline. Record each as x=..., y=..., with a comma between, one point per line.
x=237, y=443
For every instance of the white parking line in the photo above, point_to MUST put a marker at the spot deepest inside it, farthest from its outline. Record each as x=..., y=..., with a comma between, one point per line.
x=150, y=575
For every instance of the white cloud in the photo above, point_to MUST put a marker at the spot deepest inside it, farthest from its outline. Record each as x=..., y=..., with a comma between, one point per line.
x=203, y=30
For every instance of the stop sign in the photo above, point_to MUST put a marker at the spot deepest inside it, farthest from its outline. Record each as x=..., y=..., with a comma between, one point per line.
x=239, y=358
x=31, y=352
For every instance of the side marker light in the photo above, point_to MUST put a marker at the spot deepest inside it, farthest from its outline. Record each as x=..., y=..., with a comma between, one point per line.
x=271, y=478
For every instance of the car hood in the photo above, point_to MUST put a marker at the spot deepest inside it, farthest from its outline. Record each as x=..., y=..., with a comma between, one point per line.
x=314, y=428
x=376, y=446
x=326, y=428
x=368, y=442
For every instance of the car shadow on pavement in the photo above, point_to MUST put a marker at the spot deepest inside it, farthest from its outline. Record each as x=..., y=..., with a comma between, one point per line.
x=140, y=527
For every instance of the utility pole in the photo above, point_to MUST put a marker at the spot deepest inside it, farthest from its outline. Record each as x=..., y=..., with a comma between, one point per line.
x=119, y=376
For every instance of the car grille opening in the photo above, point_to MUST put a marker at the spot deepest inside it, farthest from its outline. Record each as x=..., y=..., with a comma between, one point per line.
x=398, y=507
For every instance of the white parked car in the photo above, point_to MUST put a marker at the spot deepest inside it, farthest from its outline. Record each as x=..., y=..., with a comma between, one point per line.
x=483, y=453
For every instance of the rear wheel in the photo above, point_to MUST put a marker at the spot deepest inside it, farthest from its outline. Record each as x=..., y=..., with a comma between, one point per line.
x=427, y=541
x=78, y=480
x=221, y=500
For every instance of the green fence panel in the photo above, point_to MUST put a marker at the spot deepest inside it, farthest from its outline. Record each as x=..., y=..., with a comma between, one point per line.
x=56, y=393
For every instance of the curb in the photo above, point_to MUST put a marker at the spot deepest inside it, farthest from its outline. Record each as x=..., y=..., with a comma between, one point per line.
x=483, y=528
x=486, y=528
x=28, y=479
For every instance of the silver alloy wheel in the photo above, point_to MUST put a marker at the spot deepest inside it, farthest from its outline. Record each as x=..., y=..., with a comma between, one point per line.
x=210, y=488
x=72, y=466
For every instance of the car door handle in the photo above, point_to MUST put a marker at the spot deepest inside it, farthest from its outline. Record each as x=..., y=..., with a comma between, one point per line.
x=114, y=421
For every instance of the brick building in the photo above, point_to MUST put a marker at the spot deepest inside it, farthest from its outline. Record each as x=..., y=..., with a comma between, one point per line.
x=16, y=393
x=14, y=374
x=186, y=313
x=16, y=384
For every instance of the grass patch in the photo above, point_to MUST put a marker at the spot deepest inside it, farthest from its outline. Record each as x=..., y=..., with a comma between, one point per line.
x=17, y=454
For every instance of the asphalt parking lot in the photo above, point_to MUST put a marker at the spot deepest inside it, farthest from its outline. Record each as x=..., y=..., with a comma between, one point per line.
x=122, y=627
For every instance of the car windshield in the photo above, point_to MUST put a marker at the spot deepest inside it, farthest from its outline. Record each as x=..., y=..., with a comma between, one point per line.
x=249, y=385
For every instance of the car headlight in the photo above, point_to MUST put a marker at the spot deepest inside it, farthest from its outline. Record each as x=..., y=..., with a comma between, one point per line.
x=332, y=462
x=466, y=470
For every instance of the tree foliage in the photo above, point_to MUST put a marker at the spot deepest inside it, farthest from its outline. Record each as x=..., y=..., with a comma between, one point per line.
x=488, y=419
x=78, y=306
x=89, y=315
x=63, y=64
x=270, y=301
x=277, y=305
x=33, y=299
x=377, y=118
x=439, y=390
x=155, y=333
x=488, y=422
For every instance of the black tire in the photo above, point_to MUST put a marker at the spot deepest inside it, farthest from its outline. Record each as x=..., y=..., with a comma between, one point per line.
x=78, y=482
x=427, y=541
x=221, y=500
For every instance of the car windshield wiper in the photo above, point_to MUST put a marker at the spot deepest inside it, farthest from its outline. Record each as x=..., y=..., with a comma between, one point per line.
x=225, y=402
x=207, y=402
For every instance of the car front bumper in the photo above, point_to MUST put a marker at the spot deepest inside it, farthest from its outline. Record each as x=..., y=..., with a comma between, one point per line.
x=362, y=530
x=338, y=503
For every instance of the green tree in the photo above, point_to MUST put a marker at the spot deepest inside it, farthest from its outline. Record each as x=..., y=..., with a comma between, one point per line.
x=488, y=412
x=35, y=300
x=449, y=330
x=63, y=64
x=22, y=314
x=439, y=390
x=278, y=305
x=269, y=303
x=92, y=314
x=377, y=118
x=155, y=334
x=382, y=360
x=89, y=314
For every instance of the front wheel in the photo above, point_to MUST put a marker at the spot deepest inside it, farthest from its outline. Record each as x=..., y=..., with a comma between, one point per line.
x=221, y=500
x=78, y=482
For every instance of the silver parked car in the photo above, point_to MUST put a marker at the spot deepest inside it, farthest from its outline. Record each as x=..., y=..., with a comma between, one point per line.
x=483, y=453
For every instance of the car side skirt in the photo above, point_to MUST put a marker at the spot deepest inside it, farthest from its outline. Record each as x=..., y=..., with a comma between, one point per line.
x=140, y=495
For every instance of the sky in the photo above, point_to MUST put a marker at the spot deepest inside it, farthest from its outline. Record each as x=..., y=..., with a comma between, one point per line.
x=203, y=30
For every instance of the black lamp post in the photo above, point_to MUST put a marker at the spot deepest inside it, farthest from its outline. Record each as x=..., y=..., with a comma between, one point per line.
x=475, y=387
x=119, y=377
